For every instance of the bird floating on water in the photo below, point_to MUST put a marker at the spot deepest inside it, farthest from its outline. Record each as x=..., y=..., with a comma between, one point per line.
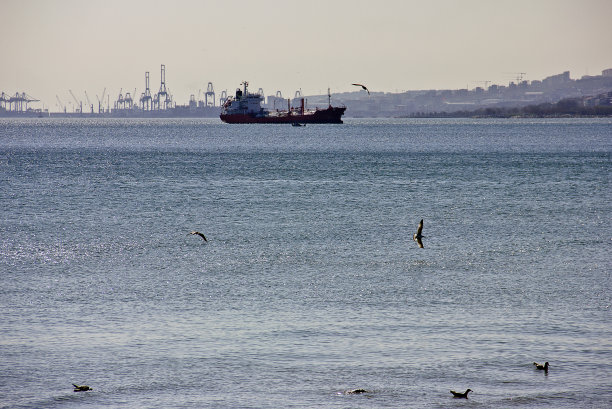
x=363, y=86
x=199, y=234
x=541, y=367
x=461, y=395
x=418, y=236
x=356, y=391
x=81, y=388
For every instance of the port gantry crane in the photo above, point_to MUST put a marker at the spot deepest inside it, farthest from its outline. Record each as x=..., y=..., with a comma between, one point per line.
x=129, y=99
x=145, y=97
x=18, y=103
x=162, y=96
x=4, y=99
x=223, y=97
x=120, y=103
x=209, y=92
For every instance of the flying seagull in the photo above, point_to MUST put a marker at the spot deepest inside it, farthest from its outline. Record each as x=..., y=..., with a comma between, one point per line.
x=542, y=367
x=363, y=86
x=81, y=388
x=418, y=236
x=461, y=395
x=199, y=234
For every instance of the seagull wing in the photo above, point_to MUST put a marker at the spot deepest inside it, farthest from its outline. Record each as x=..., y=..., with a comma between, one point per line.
x=363, y=86
x=420, y=242
x=199, y=234
x=420, y=228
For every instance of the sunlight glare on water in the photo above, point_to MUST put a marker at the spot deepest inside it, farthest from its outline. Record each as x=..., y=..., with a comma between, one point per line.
x=310, y=283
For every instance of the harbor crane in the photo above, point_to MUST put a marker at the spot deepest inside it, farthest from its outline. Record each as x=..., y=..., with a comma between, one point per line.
x=162, y=95
x=61, y=104
x=77, y=103
x=120, y=103
x=89, y=102
x=209, y=92
x=129, y=99
x=145, y=97
x=17, y=103
x=223, y=97
x=4, y=99
x=278, y=97
x=101, y=101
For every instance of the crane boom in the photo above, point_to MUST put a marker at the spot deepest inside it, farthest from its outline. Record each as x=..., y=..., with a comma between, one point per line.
x=77, y=102
x=89, y=104
x=61, y=104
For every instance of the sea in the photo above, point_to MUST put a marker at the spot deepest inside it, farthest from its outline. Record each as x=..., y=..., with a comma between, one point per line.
x=309, y=284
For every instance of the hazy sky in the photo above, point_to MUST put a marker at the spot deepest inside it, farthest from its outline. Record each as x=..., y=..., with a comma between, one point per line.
x=50, y=46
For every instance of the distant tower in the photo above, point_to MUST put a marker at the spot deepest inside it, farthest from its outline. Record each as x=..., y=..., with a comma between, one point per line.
x=209, y=92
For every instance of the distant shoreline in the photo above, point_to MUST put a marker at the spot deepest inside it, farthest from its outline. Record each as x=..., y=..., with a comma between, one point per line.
x=566, y=108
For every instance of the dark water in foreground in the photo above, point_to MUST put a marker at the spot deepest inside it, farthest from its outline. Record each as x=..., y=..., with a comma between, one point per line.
x=310, y=283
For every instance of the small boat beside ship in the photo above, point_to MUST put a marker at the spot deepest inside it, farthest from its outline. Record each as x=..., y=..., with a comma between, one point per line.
x=246, y=108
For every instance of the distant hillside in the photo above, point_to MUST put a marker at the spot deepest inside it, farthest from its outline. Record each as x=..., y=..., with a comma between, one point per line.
x=599, y=106
x=555, y=95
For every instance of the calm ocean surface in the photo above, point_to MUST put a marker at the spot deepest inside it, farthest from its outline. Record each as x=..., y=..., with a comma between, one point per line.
x=310, y=283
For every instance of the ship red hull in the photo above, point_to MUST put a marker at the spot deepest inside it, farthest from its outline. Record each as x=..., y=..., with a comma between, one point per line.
x=331, y=115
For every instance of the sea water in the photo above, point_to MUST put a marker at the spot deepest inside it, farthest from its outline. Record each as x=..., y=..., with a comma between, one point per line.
x=310, y=284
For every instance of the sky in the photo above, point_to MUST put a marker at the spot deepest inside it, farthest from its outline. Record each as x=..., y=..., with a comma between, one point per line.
x=48, y=47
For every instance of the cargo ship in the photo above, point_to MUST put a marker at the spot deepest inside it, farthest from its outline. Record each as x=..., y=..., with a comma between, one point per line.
x=246, y=108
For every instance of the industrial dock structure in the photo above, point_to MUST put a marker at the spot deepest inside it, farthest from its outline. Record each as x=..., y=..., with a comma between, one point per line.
x=126, y=105
x=588, y=91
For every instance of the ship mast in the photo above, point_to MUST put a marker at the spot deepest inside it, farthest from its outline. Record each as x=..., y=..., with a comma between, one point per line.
x=328, y=97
